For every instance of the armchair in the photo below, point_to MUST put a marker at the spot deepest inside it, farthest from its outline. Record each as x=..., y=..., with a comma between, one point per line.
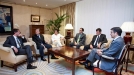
x=7, y=55
x=119, y=61
x=47, y=38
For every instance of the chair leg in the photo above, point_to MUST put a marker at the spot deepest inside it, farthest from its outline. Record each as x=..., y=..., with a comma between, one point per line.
x=36, y=57
x=121, y=70
x=2, y=63
x=93, y=70
x=116, y=73
x=15, y=67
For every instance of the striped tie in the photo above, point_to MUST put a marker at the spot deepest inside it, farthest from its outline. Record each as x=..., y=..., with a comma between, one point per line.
x=78, y=38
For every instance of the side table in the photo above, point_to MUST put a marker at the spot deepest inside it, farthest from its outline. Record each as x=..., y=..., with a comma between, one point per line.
x=67, y=41
x=130, y=48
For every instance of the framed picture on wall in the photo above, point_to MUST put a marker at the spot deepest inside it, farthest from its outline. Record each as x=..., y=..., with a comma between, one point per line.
x=6, y=19
x=35, y=18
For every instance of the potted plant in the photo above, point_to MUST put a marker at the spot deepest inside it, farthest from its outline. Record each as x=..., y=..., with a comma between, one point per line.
x=55, y=24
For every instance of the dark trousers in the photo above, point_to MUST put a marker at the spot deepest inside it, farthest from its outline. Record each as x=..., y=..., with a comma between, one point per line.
x=86, y=47
x=26, y=50
x=41, y=49
x=77, y=46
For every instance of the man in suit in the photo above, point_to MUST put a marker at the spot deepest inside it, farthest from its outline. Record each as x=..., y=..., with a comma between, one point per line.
x=16, y=43
x=113, y=51
x=97, y=40
x=79, y=39
x=41, y=44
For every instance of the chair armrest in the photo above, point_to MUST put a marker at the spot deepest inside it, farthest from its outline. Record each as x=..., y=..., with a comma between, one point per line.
x=6, y=49
x=29, y=43
x=105, y=45
x=107, y=57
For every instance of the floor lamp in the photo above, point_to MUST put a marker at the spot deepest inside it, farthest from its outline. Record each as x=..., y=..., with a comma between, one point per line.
x=128, y=27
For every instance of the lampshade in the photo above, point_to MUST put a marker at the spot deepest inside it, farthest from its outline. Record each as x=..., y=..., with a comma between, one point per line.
x=128, y=27
x=69, y=26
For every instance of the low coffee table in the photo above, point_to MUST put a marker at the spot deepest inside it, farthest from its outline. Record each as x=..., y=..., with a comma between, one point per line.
x=69, y=53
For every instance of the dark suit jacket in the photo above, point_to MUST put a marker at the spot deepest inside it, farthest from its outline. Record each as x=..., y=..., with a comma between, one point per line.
x=10, y=41
x=102, y=39
x=82, y=38
x=38, y=40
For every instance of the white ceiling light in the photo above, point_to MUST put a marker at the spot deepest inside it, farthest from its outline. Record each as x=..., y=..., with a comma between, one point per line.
x=36, y=3
x=64, y=0
x=23, y=0
x=46, y=5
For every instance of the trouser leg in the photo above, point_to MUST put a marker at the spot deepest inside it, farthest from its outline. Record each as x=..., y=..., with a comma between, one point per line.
x=86, y=47
x=93, y=56
x=71, y=44
x=26, y=50
x=49, y=46
x=78, y=46
x=41, y=50
x=59, y=43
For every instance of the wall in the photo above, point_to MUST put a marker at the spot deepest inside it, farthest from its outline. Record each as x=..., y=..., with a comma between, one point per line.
x=92, y=14
x=22, y=16
x=55, y=10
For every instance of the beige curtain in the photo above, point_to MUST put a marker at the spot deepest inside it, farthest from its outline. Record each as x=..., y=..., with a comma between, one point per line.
x=68, y=9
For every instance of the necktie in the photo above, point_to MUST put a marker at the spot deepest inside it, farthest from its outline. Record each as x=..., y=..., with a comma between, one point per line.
x=18, y=42
x=97, y=40
x=39, y=36
x=78, y=38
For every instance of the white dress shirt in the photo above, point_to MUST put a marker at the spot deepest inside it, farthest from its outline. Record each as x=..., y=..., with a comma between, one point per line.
x=18, y=46
x=56, y=37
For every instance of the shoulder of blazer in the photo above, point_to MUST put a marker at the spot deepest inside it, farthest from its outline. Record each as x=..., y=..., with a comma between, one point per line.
x=95, y=36
x=41, y=35
x=103, y=35
x=34, y=35
x=11, y=37
x=83, y=33
x=77, y=34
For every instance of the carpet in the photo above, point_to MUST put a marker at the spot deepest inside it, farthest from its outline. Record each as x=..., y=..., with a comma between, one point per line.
x=55, y=67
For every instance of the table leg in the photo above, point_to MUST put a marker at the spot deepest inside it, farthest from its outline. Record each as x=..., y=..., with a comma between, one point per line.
x=48, y=57
x=73, y=68
x=127, y=59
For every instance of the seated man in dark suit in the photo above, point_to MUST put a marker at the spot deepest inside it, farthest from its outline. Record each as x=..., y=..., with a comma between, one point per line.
x=79, y=39
x=97, y=40
x=114, y=50
x=41, y=44
x=16, y=43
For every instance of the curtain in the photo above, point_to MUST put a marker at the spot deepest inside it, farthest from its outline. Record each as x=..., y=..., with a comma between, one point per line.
x=69, y=10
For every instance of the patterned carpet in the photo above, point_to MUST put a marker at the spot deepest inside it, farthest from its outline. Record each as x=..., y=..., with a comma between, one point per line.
x=56, y=67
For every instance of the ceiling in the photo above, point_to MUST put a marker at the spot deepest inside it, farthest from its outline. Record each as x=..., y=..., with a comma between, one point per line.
x=41, y=3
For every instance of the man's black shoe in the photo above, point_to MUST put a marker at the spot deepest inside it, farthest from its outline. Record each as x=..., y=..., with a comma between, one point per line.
x=85, y=64
x=82, y=63
x=43, y=59
x=31, y=67
x=89, y=67
x=54, y=57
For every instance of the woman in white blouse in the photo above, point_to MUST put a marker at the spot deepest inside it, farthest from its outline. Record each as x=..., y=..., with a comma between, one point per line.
x=57, y=39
